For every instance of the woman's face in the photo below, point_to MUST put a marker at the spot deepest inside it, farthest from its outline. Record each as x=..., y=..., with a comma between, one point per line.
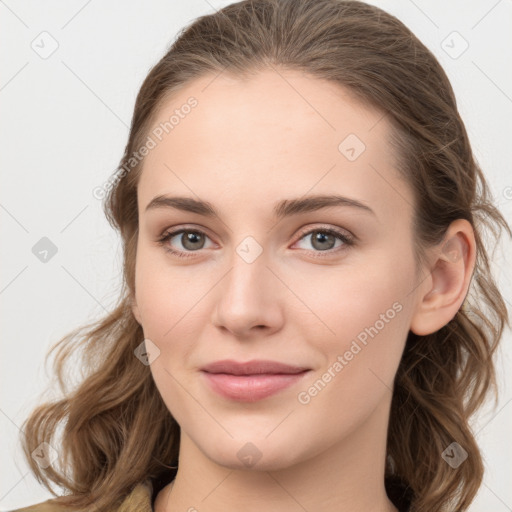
x=257, y=285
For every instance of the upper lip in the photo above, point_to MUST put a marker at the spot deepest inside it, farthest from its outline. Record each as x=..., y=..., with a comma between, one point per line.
x=251, y=367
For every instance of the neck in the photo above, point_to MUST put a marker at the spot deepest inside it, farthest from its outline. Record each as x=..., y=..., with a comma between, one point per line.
x=345, y=477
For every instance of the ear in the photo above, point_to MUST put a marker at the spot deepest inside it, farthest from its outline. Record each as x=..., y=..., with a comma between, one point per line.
x=444, y=292
x=135, y=310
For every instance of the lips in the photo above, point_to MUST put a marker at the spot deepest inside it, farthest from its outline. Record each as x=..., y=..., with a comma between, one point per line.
x=252, y=380
x=254, y=367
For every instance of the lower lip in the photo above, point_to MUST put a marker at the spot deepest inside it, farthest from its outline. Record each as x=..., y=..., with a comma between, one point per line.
x=250, y=388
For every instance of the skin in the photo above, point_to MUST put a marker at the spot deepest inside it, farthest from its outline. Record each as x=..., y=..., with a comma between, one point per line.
x=248, y=144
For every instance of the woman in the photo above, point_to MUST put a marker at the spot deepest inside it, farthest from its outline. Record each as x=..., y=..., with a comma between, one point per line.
x=302, y=222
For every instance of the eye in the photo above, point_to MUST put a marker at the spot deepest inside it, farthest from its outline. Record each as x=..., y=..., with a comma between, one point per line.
x=192, y=240
x=322, y=240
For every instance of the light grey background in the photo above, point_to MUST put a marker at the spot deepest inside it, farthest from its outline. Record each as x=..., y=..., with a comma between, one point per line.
x=65, y=119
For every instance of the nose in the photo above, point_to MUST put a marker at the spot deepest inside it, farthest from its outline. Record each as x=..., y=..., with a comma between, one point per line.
x=248, y=298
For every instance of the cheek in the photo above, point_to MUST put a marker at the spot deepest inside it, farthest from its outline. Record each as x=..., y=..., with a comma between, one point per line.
x=362, y=322
x=343, y=302
x=360, y=360
x=165, y=295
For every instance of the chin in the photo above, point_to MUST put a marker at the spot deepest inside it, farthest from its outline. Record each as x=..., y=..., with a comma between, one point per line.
x=257, y=455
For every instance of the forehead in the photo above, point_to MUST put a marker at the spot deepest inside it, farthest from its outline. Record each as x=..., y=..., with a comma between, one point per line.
x=274, y=135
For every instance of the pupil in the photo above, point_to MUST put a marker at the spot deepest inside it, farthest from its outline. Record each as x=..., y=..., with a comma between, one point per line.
x=322, y=238
x=191, y=238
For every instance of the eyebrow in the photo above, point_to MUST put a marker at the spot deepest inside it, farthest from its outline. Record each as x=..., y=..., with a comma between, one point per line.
x=284, y=208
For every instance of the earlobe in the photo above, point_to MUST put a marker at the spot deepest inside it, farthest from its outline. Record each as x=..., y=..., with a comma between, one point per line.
x=449, y=280
x=135, y=311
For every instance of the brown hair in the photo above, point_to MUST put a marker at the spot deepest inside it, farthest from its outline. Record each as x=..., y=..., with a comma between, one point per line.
x=442, y=378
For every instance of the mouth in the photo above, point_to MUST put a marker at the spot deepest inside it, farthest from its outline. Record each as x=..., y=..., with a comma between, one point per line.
x=251, y=381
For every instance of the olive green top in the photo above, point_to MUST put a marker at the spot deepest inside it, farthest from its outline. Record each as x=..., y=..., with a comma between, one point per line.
x=139, y=500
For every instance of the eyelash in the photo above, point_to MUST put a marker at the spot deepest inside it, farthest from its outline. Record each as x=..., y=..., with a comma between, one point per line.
x=348, y=241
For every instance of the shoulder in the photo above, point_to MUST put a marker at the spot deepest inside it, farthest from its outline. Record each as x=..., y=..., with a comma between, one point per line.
x=52, y=505
x=138, y=500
